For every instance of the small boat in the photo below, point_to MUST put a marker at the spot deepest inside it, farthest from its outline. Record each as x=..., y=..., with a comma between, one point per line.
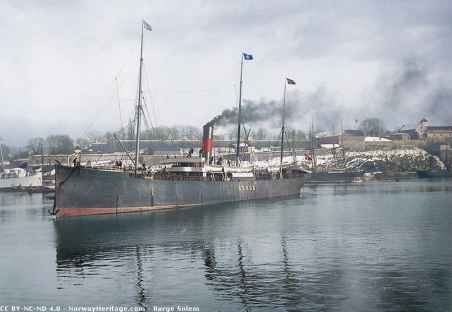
x=433, y=173
x=19, y=179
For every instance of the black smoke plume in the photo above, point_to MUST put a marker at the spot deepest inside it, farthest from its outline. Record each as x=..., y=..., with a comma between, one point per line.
x=299, y=109
x=252, y=112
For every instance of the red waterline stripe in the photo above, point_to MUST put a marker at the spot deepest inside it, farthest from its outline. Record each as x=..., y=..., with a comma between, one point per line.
x=72, y=212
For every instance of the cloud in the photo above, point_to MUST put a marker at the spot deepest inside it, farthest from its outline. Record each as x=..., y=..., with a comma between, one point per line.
x=59, y=59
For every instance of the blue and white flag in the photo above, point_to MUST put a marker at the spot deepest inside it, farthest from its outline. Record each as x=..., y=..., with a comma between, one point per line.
x=247, y=57
x=147, y=26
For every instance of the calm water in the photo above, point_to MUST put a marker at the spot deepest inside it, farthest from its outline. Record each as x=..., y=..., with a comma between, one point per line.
x=367, y=247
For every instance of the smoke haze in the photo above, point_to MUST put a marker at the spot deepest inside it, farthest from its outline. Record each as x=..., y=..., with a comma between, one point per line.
x=409, y=93
x=401, y=96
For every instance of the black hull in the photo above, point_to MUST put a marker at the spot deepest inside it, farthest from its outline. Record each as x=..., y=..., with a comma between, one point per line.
x=429, y=174
x=333, y=176
x=84, y=191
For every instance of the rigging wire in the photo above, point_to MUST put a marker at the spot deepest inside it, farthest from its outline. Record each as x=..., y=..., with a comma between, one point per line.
x=147, y=120
x=119, y=102
x=132, y=122
x=151, y=109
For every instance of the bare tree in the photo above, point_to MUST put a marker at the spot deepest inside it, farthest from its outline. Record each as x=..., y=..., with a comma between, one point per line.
x=372, y=127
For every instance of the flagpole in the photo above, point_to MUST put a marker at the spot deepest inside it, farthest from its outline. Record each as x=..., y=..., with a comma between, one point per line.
x=237, y=152
x=283, y=128
x=137, y=142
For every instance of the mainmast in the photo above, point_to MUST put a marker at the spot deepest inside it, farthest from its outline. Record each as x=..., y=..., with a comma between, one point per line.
x=144, y=24
x=237, y=151
x=246, y=57
x=283, y=123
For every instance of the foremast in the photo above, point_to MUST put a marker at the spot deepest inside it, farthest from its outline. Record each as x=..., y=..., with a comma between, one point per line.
x=144, y=25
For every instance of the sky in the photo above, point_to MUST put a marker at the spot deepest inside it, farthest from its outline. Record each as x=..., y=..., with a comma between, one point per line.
x=71, y=67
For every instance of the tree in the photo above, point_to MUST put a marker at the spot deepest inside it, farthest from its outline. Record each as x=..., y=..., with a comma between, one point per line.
x=261, y=134
x=5, y=152
x=131, y=130
x=94, y=136
x=372, y=127
x=122, y=133
x=300, y=136
x=246, y=133
x=190, y=132
x=36, y=145
x=82, y=142
x=173, y=133
x=109, y=138
x=59, y=144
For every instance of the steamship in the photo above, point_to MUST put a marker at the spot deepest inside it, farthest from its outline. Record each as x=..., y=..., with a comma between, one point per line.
x=186, y=182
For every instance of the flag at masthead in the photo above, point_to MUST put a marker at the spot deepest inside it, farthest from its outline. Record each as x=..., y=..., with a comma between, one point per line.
x=290, y=81
x=147, y=26
x=248, y=57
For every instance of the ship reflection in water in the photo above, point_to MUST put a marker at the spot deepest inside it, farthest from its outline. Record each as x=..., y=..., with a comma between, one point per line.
x=352, y=247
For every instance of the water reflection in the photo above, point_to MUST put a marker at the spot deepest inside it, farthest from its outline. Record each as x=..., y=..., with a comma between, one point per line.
x=141, y=297
x=14, y=204
x=275, y=284
x=387, y=187
x=291, y=255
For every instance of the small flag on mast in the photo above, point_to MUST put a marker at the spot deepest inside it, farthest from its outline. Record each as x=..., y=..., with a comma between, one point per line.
x=247, y=57
x=147, y=26
x=290, y=81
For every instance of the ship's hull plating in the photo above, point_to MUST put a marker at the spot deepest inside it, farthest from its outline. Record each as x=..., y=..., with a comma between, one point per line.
x=84, y=191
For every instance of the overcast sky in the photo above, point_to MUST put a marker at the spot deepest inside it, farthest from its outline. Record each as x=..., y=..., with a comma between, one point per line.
x=63, y=63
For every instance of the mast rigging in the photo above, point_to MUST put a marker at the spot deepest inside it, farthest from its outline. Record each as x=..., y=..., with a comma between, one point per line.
x=144, y=25
x=283, y=123
x=245, y=57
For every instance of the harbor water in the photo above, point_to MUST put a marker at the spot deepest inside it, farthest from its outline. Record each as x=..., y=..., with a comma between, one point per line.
x=377, y=246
